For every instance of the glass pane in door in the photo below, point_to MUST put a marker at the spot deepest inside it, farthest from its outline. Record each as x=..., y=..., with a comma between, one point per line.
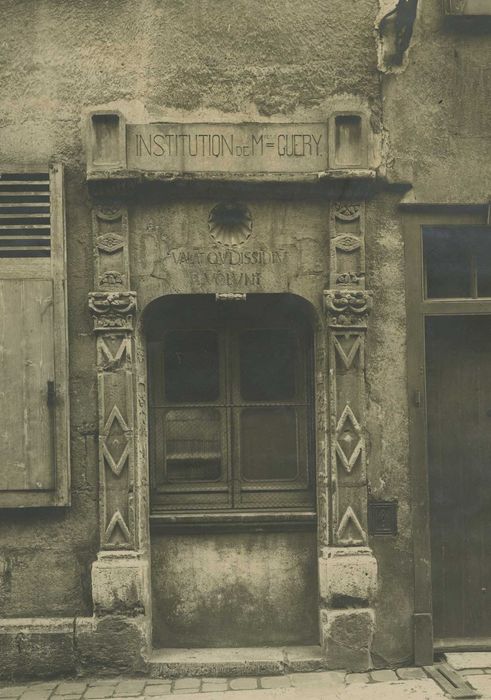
x=267, y=365
x=193, y=445
x=191, y=366
x=268, y=443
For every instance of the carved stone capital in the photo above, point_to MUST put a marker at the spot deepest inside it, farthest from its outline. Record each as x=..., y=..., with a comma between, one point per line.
x=112, y=310
x=347, y=307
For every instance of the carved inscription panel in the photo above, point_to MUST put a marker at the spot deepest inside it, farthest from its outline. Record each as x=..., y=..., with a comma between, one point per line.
x=231, y=248
x=228, y=148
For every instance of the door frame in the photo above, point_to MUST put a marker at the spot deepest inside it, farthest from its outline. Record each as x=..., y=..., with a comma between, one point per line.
x=417, y=309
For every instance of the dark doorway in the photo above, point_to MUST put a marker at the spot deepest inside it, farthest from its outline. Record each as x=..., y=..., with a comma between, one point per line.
x=458, y=376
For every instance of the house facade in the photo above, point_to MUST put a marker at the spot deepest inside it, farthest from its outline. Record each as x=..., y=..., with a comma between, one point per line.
x=245, y=275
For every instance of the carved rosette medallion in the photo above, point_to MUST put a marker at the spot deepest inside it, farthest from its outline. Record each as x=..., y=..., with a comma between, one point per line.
x=112, y=310
x=348, y=307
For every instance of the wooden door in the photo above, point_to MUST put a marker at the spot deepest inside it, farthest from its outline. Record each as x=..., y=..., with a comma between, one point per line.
x=458, y=375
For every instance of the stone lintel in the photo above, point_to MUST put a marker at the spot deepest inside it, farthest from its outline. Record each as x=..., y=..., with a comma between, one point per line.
x=347, y=577
x=119, y=583
x=346, y=638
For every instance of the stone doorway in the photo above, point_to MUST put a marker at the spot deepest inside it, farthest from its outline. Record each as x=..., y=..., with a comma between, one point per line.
x=233, y=515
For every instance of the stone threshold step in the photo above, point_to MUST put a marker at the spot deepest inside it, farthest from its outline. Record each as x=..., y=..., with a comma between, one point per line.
x=228, y=662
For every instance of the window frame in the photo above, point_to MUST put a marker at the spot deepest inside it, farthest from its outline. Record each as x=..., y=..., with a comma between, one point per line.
x=237, y=507
x=52, y=268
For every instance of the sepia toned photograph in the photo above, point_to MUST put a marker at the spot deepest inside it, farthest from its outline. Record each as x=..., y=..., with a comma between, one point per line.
x=245, y=349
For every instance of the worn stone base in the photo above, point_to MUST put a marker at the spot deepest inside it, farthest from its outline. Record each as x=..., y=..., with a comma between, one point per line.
x=114, y=643
x=347, y=587
x=119, y=583
x=231, y=662
x=347, y=577
x=347, y=637
x=54, y=647
x=37, y=648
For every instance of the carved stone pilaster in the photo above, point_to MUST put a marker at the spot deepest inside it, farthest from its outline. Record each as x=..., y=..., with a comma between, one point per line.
x=112, y=311
x=347, y=316
x=348, y=570
x=347, y=245
x=347, y=308
x=118, y=576
x=348, y=305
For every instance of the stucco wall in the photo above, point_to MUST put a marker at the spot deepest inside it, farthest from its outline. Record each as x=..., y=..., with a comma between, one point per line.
x=286, y=60
x=387, y=426
x=59, y=58
x=436, y=109
x=242, y=589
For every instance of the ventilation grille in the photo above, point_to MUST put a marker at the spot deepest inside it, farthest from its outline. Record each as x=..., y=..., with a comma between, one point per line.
x=24, y=215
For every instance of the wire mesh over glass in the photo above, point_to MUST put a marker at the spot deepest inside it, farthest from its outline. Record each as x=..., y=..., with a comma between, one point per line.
x=231, y=407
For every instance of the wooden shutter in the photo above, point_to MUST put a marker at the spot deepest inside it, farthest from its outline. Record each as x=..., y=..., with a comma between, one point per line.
x=34, y=429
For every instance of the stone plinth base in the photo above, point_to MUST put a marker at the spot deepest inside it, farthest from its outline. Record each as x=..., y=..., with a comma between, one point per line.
x=119, y=584
x=348, y=587
x=112, y=643
x=36, y=648
x=347, y=577
x=347, y=638
x=53, y=647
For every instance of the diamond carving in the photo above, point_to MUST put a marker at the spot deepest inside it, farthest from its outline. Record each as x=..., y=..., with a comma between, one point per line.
x=347, y=243
x=110, y=243
x=349, y=441
x=116, y=446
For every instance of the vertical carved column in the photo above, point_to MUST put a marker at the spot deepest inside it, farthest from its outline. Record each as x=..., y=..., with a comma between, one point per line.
x=347, y=323
x=118, y=576
x=348, y=570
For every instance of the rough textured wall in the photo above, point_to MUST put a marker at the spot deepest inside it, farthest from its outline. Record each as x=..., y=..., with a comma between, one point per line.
x=277, y=56
x=241, y=589
x=57, y=58
x=387, y=425
x=436, y=109
x=46, y=553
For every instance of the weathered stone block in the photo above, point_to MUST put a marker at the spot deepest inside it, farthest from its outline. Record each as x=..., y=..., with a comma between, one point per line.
x=346, y=637
x=119, y=584
x=347, y=577
x=113, y=643
x=36, y=648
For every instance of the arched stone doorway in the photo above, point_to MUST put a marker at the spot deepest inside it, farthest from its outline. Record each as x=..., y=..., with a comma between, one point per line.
x=232, y=471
